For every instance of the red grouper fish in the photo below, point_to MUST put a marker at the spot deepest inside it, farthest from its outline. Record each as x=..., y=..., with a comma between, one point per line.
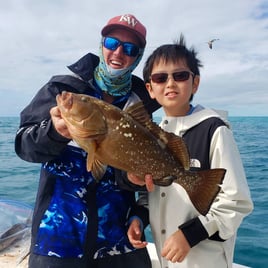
x=129, y=140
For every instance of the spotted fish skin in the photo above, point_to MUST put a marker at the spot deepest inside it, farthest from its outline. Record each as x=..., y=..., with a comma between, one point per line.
x=130, y=141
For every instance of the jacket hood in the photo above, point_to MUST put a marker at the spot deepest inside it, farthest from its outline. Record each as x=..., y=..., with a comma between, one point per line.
x=198, y=115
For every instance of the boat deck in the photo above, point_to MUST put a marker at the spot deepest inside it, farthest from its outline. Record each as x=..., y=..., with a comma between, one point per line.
x=16, y=256
x=156, y=264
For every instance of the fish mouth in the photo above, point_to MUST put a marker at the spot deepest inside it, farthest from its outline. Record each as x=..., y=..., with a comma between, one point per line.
x=65, y=99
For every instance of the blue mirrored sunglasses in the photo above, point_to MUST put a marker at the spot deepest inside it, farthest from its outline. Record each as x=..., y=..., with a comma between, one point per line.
x=129, y=49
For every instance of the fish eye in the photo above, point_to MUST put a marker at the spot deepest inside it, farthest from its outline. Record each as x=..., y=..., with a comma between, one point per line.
x=84, y=99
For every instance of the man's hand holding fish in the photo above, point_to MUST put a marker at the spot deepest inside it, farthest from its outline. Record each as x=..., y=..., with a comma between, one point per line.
x=59, y=123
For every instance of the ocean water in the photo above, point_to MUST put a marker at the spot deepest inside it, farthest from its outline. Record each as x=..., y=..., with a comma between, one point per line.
x=19, y=181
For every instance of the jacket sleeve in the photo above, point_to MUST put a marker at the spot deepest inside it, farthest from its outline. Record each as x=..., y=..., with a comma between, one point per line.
x=232, y=203
x=140, y=207
x=36, y=139
x=140, y=211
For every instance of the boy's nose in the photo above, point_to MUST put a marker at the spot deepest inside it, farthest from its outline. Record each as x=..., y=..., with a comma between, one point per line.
x=170, y=79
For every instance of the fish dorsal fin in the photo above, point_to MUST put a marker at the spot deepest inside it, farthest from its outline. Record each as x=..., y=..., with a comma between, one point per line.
x=138, y=112
x=179, y=149
x=176, y=144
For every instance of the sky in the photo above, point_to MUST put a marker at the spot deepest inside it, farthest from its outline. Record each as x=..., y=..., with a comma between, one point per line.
x=38, y=39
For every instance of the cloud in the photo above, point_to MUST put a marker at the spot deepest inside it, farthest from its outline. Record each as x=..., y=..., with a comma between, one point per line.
x=39, y=39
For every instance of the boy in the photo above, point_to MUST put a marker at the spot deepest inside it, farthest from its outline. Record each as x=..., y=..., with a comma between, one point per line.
x=183, y=236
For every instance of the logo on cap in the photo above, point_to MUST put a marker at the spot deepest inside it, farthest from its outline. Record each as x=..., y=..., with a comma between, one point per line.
x=129, y=19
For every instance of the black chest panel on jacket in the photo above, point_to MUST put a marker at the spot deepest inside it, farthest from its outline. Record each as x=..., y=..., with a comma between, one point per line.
x=198, y=139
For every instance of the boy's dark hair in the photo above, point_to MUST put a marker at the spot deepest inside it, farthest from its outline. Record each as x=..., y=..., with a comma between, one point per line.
x=172, y=53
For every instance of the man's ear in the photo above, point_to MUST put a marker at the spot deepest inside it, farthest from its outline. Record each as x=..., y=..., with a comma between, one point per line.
x=150, y=90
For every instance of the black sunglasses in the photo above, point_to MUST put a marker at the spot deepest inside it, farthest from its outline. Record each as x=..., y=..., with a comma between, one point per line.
x=177, y=76
x=129, y=49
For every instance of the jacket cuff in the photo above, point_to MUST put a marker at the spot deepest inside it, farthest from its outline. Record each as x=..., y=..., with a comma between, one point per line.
x=54, y=135
x=142, y=213
x=194, y=231
x=137, y=218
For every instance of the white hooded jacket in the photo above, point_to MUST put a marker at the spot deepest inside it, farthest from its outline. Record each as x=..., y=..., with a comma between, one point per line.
x=170, y=206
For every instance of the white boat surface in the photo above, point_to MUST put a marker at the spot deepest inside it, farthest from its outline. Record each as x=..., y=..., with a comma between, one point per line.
x=16, y=255
x=156, y=264
x=15, y=226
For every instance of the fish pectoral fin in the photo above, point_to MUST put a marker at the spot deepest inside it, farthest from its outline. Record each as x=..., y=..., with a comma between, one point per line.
x=98, y=169
x=91, y=149
x=90, y=161
x=202, y=187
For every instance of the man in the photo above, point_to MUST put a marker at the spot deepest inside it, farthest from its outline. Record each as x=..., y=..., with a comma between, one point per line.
x=78, y=222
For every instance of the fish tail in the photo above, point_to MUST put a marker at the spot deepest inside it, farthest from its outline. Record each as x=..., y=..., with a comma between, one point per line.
x=202, y=187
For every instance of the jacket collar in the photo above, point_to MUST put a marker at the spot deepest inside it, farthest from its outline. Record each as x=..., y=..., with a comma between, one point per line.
x=85, y=66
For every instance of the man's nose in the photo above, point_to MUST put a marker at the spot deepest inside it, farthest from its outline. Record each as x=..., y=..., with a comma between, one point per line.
x=119, y=49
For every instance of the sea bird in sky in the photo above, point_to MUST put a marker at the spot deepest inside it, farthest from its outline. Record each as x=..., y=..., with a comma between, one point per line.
x=210, y=42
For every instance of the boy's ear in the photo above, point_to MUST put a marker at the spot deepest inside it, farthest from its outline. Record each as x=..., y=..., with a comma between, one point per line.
x=196, y=83
x=150, y=90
